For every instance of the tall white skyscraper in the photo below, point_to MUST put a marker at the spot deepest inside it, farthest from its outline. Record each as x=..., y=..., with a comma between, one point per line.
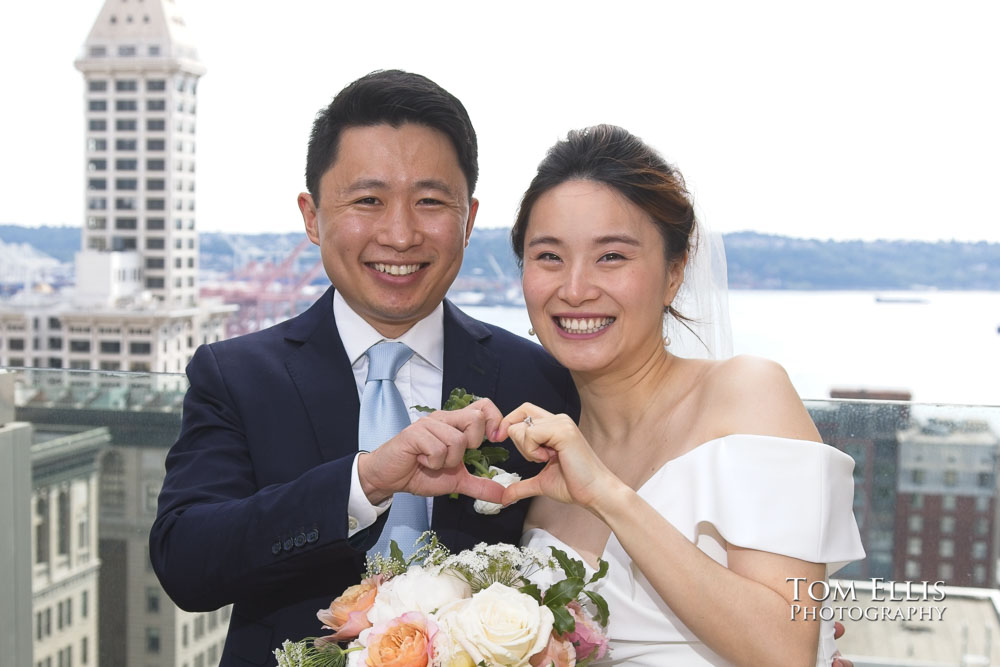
x=141, y=71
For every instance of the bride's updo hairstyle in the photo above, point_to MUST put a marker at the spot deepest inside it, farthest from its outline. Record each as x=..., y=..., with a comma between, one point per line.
x=615, y=157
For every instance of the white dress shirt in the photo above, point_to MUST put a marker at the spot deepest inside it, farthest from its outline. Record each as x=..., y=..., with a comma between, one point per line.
x=419, y=381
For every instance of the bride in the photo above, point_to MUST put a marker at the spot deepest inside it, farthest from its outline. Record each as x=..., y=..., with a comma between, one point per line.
x=703, y=483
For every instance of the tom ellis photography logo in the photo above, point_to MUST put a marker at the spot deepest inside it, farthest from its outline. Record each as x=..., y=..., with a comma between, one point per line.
x=888, y=600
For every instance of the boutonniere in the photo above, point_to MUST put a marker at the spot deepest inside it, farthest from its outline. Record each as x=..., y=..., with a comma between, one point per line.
x=482, y=461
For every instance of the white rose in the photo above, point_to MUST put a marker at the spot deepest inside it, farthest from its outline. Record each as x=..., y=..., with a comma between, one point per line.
x=503, y=478
x=499, y=626
x=416, y=590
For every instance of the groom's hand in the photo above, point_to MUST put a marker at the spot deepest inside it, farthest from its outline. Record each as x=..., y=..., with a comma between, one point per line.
x=426, y=458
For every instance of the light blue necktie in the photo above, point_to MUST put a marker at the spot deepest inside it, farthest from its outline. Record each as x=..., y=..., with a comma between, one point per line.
x=383, y=415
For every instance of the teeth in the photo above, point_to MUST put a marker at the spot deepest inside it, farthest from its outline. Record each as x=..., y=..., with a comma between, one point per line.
x=395, y=269
x=585, y=325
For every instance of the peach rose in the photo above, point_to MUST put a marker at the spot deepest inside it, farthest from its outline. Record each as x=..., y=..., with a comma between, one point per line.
x=588, y=638
x=406, y=641
x=558, y=653
x=347, y=616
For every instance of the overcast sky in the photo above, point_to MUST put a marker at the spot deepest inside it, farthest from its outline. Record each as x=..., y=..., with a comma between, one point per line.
x=830, y=120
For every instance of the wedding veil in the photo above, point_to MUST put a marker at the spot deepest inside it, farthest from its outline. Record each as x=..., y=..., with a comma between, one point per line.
x=704, y=299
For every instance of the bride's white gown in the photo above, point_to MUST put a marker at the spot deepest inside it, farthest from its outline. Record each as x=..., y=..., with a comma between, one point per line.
x=791, y=497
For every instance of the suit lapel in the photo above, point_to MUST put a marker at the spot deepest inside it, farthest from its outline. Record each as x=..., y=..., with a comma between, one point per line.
x=467, y=362
x=322, y=374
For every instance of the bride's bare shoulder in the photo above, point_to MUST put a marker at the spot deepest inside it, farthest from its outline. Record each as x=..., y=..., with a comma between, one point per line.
x=747, y=394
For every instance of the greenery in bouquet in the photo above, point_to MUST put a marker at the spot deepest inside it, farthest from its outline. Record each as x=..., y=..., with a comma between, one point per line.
x=477, y=608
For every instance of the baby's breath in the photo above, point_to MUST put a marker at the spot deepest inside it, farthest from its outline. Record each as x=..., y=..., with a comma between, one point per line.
x=486, y=564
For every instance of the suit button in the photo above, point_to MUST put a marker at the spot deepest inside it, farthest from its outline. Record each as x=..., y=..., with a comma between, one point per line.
x=352, y=523
x=312, y=536
x=300, y=539
x=289, y=543
x=276, y=548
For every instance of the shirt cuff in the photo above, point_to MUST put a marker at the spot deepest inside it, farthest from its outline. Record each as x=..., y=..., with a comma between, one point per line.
x=360, y=511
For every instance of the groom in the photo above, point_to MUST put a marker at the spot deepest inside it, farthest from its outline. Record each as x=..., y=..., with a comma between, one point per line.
x=267, y=503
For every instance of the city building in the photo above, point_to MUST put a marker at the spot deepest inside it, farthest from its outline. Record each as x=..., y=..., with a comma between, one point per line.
x=135, y=304
x=946, y=503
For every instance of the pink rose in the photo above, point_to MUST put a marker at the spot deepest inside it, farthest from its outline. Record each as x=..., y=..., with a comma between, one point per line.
x=347, y=616
x=588, y=638
x=557, y=653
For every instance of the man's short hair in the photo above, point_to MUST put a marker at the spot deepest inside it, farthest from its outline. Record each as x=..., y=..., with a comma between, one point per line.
x=391, y=97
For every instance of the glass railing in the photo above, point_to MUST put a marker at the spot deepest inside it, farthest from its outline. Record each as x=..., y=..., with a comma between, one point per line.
x=925, y=500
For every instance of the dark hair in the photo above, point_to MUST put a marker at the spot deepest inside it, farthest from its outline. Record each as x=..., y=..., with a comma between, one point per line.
x=613, y=156
x=391, y=97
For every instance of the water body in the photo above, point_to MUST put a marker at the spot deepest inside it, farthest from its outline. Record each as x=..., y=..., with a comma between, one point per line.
x=943, y=347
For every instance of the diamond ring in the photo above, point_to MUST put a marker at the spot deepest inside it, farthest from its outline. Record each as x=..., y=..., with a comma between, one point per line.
x=527, y=420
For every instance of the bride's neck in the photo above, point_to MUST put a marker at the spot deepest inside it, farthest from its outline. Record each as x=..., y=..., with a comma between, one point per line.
x=613, y=403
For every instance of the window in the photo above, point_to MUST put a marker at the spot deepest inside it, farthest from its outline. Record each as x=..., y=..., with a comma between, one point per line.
x=946, y=571
x=125, y=223
x=154, y=243
x=126, y=105
x=126, y=50
x=979, y=575
x=110, y=347
x=916, y=523
x=97, y=125
x=139, y=367
x=97, y=105
x=125, y=144
x=126, y=204
x=156, y=184
x=917, y=476
x=982, y=526
x=948, y=502
x=83, y=651
x=982, y=504
x=155, y=165
x=136, y=347
x=156, y=204
x=42, y=528
x=156, y=105
x=126, y=164
x=126, y=85
x=946, y=548
x=152, y=640
x=950, y=477
x=155, y=224
x=152, y=600
x=985, y=480
x=97, y=86
x=97, y=144
x=154, y=283
x=914, y=546
x=126, y=125
x=126, y=184
x=55, y=362
x=94, y=222
x=16, y=344
x=199, y=627
x=979, y=550
x=79, y=346
x=97, y=184
x=155, y=85
x=156, y=124
x=97, y=165
x=912, y=569
x=55, y=343
x=63, y=517
x=947, y=524
x=155, y=144
x=97, y=51
x=122, y=243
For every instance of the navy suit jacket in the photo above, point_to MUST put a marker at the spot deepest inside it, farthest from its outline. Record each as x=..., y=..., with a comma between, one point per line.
x=253, y=510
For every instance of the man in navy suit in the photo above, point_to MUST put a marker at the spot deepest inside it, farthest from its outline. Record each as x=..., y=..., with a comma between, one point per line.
x=267, y=503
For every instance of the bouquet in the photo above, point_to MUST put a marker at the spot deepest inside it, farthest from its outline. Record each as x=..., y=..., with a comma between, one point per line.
x=476, y=608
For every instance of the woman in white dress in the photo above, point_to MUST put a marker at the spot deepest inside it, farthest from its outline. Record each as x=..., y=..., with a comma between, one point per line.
x=702, y=482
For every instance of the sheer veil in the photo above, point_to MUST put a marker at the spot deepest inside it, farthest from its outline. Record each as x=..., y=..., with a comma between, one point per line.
x=704, y=299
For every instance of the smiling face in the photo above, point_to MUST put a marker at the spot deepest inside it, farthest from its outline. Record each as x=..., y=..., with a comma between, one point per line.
x=393, y=220
x=596, y=278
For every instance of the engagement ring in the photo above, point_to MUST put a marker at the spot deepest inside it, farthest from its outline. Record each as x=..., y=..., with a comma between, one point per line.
x=527, y=420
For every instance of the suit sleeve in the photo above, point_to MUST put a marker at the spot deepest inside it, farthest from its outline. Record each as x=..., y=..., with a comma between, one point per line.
x=219, y=538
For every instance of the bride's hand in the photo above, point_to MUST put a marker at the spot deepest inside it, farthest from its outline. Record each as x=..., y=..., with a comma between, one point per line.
x=573, y=473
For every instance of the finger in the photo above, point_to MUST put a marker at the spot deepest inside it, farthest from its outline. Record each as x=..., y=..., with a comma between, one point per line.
x=441, y=446
x=470, y=420
x=527, y=440
x=518, y=416
x=527, y=488
x=838, y=629
x=480, y=488
x=491, y=416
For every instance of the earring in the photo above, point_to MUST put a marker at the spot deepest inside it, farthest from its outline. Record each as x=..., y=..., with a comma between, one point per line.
x=666, y=341
x=531, y=331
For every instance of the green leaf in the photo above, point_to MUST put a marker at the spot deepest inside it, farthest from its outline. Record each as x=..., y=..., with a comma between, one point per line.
x=602, y=607
x=533, y=591
x=562, y=592
x=563, y=621
x=423, y=408
x=395, y=553
x=493, y=455
x=602, y=570
x=571, y=566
